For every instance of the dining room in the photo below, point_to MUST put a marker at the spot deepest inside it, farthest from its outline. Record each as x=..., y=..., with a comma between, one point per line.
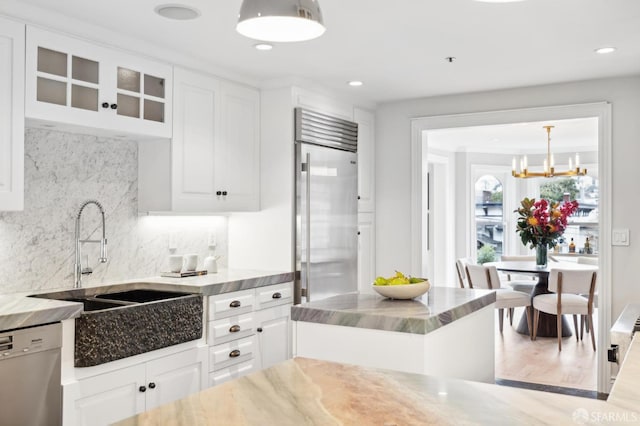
x=476, y=179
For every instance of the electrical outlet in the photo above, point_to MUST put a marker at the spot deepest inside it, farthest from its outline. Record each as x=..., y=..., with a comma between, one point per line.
x=173, y=244
x=212, y=240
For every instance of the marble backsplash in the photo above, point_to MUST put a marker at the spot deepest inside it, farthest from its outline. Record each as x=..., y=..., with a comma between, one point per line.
x=62, y=170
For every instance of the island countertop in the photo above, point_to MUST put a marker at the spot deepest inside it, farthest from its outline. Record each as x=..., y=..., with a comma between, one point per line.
x=435, y=309
x=304, y=391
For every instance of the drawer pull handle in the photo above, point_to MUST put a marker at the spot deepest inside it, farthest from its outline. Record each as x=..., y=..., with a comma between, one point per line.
x=276, y=295
x=234, y=353
x=234, y=304
x=234, y=329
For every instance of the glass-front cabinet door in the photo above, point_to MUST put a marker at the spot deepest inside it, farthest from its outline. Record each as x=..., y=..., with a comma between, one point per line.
x=74, y=82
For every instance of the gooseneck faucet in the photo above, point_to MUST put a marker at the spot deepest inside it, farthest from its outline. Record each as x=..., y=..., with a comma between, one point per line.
x=79, y=270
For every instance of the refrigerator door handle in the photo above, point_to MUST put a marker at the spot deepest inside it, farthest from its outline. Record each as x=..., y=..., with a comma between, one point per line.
x=308, y=230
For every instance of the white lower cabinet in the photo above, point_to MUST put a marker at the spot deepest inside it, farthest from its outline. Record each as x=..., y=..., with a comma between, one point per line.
x=274, y=335
x=113, y=396
x=248, y=330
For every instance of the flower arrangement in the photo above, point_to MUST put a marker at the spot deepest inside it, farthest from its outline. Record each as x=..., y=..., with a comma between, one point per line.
x=541, y=223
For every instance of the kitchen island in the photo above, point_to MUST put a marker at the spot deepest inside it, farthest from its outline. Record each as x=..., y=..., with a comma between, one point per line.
x=304, y=391
x=446, y=332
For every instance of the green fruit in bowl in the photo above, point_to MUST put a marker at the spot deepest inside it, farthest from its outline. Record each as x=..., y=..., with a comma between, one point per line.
x=398, y=279
x=381, y=281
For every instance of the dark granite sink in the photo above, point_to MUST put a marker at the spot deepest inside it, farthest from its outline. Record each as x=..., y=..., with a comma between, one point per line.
x=121, y=324
x=95, y=305
x=140, y=296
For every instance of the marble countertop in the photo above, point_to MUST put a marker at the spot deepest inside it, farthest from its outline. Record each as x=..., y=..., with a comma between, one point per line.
x=18, y=310
x=439, y=307
x=626, y=389
x=303, y=391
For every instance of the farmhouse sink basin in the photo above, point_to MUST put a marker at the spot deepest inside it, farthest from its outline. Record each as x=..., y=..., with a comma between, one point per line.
x=140, y=296
x=94, y=305
x=120, y=324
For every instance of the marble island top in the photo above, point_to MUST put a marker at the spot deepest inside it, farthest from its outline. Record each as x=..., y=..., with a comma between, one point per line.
x=18, y=310
x=304, y=391
x=437, y=308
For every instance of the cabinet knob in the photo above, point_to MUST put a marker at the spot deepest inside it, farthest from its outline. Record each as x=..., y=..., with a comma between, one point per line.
x=218, y=193
x=358, y=197
x=105, y=105
x=224, y=193
x=358, y=232
x=234, y=353
x=234, y=328
x=114, y=106
x=235, y=304
x=259, y=329
x=152, y=385
x=276, y=295
x=142, y=388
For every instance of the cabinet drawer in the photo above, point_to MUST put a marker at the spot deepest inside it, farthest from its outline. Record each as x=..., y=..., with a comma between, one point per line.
x=228, y=304
x=231, y=353
x=232, y=372
x=274, y=295
x=232, y=328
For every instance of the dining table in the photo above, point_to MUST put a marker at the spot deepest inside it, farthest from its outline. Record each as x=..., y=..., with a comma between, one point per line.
x=547, y=325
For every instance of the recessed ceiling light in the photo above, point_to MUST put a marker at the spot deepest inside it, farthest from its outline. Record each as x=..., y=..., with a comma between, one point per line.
x=355, y=83
x=178, y=12
x=604, y=50
x=263, y=46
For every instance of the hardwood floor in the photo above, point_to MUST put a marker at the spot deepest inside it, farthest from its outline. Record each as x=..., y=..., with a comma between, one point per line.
x=524, y=360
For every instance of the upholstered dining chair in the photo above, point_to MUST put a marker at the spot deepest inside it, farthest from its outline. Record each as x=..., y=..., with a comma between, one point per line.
x=593, y=261
x=566, y=286
x=486, y=277
x=525, y=284
x=461, y=265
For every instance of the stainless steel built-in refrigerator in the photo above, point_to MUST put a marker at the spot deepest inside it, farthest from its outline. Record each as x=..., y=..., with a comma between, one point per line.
x=326, y=206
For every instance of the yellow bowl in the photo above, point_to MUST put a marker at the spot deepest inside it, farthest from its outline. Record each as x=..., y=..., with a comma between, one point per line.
x=403, y=291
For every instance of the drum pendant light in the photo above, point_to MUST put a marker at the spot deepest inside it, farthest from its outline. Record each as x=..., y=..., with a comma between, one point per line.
x=280, y=20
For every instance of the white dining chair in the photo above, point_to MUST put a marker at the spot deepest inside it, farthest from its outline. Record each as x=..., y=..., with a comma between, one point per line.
x=486, y=277
x=525, y=284
x=593, y=261
x=461, y=265
x=566, y=286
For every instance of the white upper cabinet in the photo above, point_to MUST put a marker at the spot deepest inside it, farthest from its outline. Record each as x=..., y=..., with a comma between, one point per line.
x=213, y=164
x=238, y=159
x=366, y=159
x=75, y=83
x=11, y=115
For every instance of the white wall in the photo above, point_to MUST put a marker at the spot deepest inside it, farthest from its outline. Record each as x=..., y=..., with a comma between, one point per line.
x=61, y=171
x=393, y=150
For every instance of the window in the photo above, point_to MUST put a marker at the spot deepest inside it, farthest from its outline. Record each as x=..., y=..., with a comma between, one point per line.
x=584, y=223
x=489, y=218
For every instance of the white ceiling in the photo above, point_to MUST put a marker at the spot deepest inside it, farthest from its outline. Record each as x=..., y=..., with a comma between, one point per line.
x=398, y=47
x=568, y=136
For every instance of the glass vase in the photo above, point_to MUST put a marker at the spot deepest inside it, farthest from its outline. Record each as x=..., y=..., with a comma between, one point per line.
x=541, y=255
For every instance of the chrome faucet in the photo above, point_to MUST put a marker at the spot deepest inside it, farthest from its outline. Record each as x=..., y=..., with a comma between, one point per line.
x=79, y=270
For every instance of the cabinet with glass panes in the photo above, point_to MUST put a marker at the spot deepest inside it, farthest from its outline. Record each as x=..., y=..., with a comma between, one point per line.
x=74, y=83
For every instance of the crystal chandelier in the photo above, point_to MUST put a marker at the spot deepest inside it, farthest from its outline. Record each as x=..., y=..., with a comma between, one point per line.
x=549, y=169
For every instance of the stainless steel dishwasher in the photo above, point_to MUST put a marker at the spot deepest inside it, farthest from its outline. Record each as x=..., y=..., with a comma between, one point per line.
x=31, y=391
